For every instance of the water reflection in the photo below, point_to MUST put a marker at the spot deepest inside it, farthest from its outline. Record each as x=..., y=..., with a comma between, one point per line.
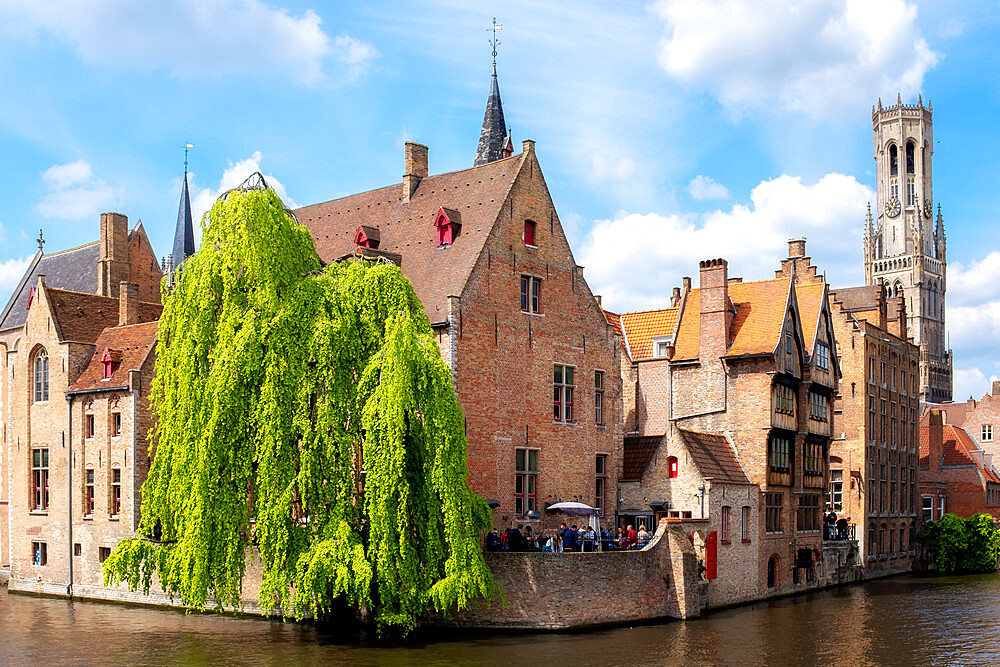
x=904, y=620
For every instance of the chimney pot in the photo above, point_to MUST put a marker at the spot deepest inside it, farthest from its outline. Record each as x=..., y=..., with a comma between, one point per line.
x=416, y=167
x=128, y=303
x=528, y=146
x=796, y=248
x=996, y=388
x=675, y=297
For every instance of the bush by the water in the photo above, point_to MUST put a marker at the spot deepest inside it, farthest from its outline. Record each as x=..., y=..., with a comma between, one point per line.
x=960, y=546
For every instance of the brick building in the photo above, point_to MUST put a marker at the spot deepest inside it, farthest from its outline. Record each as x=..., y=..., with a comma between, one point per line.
x=980, y=418
x=956, y=475
x=48, y=330
x=873, y=458
x=535, y=364
x=727, y=400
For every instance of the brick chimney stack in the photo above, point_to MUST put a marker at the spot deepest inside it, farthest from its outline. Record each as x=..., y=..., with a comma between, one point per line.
x=416, y=168
x=112, y=263
x=675, y=297
x=128, y=303
x=996, y=389
x=796, y=248
x=935, y=439
x=716, y=317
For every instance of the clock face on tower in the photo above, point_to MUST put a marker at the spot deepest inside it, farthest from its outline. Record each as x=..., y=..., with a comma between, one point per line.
x=928, y=209
x=892, y=207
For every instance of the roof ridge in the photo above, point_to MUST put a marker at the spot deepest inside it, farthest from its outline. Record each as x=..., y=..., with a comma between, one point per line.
x=63, y=252
x=648, y=310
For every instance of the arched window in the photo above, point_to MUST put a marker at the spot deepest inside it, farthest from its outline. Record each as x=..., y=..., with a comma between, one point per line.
x=897, y=289
x=893, y=160
x=772, y=571
x=909, y=157
x=42, y=376
x=672, y=467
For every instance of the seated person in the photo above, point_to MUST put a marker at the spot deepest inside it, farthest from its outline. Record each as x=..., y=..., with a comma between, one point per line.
x=493, y=540
x=571, y=539
x=643, y=536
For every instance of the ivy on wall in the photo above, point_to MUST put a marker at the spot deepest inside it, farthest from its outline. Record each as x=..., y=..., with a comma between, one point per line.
x=304, y=410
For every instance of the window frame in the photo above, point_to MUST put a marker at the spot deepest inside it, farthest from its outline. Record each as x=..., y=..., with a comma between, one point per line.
x=115, y=499
x=745, y=523
x=41, y=376
x=784, y=398
x=529, y=235
x=724, y=524
x=39, y=553
x=562, y=393
x=89, y=426
x=601, y=483
x=807, y=519
x=775, y=457
x=773, y=517
x=986, y=433
x=525, y=479
x=673, y=467
x=39, y=493
x=89, y=497
x=836, y=490
x=598, y=398
x=813, y=458
x=116, y=424
x=530, y=294
x=819, y=406
x=823, y=356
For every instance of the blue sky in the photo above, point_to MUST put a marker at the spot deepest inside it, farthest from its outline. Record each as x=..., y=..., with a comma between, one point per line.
x=668, y=132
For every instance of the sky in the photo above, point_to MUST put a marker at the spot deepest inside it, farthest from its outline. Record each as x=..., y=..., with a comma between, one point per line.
x=668, y=131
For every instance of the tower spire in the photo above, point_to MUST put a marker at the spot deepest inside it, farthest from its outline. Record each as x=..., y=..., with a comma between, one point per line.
x=493, y=136
x=184, y=232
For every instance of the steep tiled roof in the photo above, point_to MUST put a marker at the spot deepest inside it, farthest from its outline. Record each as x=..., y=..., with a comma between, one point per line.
x=957, y=449
x=131, y=343
x=639, y=450
x=81, y=317
x=688, y=342
x=640, y=328
x=408, y=228
x=74, y=269
x=810, y=299
x=760, y=313
x=614, y=319
x=864, y=297
x=714, y=457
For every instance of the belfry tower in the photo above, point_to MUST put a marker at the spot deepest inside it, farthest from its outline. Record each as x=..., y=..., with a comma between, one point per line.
x=905, y=250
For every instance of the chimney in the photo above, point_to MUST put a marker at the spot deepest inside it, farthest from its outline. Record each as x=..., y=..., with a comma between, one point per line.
x=935, y=439
x=128, y=303
x=416, y=168
x=996, y=389
x=716, y=317
x=528, y=146
x=675, y=297
x=112, y=263
x=686, y=284
x=796, y=248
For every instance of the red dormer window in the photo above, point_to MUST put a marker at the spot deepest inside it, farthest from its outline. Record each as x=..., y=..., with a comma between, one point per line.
x=448, y=223
x=367, y=237
x=111, y=359
x=529, y=232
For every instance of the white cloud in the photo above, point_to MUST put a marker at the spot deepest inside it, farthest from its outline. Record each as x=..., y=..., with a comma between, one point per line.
x=971, y=382
x=233, y=175
x=704, y=188
x=74, y=192
x=822, y=57
x=975, y=283
x=633, y=260
x=606, y=167
x=195, y=37
x=11, y=271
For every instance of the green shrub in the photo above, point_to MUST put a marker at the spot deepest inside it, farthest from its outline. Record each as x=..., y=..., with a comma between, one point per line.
x=960, y=546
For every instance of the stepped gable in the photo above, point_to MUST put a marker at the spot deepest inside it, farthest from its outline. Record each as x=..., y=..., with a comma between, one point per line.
x=80, y=317
x=407, y=228
x=638, y=452
x=714, y=457
x=132, y=342
x=641, y=327
x=74, y=269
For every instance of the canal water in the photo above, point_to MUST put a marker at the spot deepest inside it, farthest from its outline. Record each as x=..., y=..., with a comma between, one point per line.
x=898, y=621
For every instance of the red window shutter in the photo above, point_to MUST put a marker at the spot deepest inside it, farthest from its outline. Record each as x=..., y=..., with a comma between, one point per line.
x=672, y=464
x=529, y=232
x=712, y=555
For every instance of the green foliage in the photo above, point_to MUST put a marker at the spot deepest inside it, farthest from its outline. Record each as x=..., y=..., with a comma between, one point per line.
x=963, y=545
x=307, y=411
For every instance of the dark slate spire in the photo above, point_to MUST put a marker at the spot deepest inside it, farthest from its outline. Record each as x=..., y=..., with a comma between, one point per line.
x=184, y=234
x=494, y=133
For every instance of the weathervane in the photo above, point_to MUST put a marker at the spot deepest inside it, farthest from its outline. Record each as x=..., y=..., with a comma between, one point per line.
x=495, y=42
x=187, y=147
x=41, y=240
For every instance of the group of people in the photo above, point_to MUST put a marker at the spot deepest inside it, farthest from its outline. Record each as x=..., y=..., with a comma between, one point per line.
x=566, y=538
x=836, y=529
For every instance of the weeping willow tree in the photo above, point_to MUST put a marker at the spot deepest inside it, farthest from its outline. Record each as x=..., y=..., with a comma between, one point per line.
x=305, y=410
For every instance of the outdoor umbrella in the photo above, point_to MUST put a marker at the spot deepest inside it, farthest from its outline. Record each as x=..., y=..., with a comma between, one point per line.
x=580, y=509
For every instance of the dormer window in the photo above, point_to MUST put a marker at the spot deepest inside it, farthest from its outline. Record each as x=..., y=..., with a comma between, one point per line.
x=367, y=237
x=111, y=360
x=508, y=146
x=661, y=346
x=448, y=223
x=529, y=232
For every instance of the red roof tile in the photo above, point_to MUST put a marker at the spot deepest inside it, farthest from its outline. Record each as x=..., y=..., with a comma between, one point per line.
x=81, y=317
x=760, y=314
x=957, y=449
x=714, y=457
x=641, y=327
x=639, y=450
x=131, y=343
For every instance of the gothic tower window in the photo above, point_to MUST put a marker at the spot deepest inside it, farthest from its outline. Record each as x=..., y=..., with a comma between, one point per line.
x=41, y=376
x=909, y=157
x=893, y=160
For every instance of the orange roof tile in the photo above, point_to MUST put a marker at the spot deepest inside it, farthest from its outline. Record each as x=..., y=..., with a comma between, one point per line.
x=688, y=342
x=810, y=299
x=957, y=449
x=640, y=328
x=130, y=343
x=614, y=320
x=760, y=313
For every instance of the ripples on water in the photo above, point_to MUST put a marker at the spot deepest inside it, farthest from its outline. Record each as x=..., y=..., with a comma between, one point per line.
x=899, y=621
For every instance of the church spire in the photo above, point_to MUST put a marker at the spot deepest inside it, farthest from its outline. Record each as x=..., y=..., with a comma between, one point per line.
x=493, y=136
x=184, y=233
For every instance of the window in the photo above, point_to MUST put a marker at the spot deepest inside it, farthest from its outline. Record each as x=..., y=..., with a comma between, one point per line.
x=724, y=536
x=745, y=524
x=40, y=479
x=823, y=356
x=837, y=490
x=525, y=481
x=818, y=406
x=779, y=453
x=882, y=372
x=77, y=549
x=103, y=553
x=39, y=553
x=672, y=467
x=116, y=491
x=987, y=433
x=784, y=399
x=531, y=291
x=911, y=192
x=88, y=426
x=893, y=160
x=774, y=503
x=88, y=493
x=529, y=232
x=772, y=571
x=871, y=370
x=661, y=347
x=42, y=376
x=941, y=506
x=116, y=423
x=813, y=458
x=562, y=394
x=602, y=481
x=808, y=517
x=789, y=343
x=599, y=397
x=909, y=157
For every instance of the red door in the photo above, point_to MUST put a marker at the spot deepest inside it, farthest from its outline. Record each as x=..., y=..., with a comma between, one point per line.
x=712, y=555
